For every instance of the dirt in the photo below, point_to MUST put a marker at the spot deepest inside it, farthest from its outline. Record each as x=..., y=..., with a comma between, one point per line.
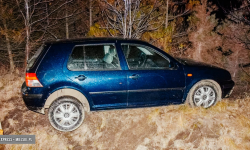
x=224, y=126
x=195, y=134
x=116, y=129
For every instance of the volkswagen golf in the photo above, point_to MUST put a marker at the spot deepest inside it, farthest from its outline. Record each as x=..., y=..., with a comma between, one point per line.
x=70, y=78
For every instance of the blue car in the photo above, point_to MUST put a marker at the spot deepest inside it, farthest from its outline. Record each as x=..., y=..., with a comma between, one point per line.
x=72, y=77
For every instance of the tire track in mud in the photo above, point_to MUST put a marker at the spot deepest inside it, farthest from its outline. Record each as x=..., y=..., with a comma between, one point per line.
x=20, y=118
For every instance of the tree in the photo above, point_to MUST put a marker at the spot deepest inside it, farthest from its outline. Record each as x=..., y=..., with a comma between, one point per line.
x=222, y=44
x=35, y=15
x=174, y=32
x=6, y=34
x=235, y=30
x=131, y=18
x=203, y=35
x=10, y=33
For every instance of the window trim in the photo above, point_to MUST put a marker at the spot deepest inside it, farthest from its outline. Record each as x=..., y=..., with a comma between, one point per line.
x=96, y=44
x=147, y=47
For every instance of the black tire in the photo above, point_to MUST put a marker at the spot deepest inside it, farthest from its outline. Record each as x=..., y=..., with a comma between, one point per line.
x=204, y=101
x=69, y=120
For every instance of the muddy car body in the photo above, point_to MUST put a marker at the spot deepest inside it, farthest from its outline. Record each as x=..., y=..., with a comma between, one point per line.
x=71, y=77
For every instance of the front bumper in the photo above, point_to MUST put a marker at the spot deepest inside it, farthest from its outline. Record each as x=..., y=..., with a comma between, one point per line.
x=31, y=100
x=227, y=88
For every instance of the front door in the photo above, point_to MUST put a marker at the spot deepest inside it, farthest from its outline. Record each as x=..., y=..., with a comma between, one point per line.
x=96, y=68
x=152, y=78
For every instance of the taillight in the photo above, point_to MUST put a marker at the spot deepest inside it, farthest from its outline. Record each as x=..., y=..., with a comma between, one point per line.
x=32, y=80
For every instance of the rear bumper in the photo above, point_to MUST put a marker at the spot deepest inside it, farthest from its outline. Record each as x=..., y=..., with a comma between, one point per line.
x=227, y=88
x=30, y=100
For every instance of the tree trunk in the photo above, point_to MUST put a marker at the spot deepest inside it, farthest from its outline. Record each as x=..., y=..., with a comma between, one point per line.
x=130, y=19
x=27, y=27
x=125, y=19
x=67, y=22
x=12, y=65
x=90, y=13
x=166, y=23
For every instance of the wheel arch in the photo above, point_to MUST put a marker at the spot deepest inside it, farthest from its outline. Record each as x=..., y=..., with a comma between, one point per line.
x=189, y=87
x=67, y=92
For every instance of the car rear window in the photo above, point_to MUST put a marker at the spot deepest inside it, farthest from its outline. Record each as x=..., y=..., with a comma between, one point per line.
x=94, y=57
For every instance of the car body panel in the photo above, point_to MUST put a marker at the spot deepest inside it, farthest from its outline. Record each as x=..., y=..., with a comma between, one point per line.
x=106, y=88
x=155, y=86
x=201, y=72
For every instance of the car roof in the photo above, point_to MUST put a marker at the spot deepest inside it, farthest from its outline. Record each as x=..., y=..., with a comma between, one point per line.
x=92, y=39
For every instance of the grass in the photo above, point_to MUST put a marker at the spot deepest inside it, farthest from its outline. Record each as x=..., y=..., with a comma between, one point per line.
x=224, y=126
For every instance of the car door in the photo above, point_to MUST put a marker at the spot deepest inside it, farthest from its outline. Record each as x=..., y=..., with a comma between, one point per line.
x=153, y=79
x=96, y=68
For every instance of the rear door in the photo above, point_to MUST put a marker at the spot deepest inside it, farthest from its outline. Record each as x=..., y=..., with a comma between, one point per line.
x=96, y=67
x=153, y=79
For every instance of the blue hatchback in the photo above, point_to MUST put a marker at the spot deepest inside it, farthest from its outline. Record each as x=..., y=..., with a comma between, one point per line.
x=72, y=77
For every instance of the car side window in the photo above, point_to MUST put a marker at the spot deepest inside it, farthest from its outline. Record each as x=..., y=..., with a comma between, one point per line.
x=94, y=57
x=142, y=57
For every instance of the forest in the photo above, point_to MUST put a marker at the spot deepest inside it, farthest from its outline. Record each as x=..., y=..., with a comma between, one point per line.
x=216, y=32
x=212, y=31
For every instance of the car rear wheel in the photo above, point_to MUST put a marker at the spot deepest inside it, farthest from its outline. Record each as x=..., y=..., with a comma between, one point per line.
x=66, y=114
x=204, y=94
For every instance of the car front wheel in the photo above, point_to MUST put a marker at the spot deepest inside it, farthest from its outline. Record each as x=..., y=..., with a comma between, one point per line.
x=66, y=114
x=204, y=94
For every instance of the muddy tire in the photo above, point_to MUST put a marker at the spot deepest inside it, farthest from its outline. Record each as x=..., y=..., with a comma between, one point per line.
x=66, y=114
x=204, y=94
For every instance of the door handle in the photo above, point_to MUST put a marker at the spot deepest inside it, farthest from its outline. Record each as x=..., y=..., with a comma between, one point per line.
x=81, y=77
x=134, y=76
